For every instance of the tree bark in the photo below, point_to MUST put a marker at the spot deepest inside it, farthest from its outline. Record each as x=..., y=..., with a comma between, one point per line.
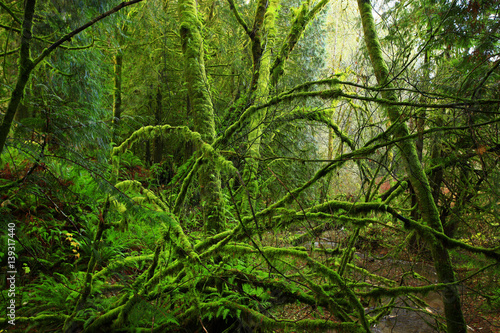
x=157, y=104
x=430, y=214
x=26, y=65
x=117, y=94
x=204, y=123
x=255, y=127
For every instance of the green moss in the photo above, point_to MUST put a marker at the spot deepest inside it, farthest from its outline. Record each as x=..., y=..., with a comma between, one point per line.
x=337, y=279
x=238, y=17
x=103, y=322
x=415, y=172
x=119, y=264
x=150, y=132
x=181, y=196
x=260, y=94
x=117, y=92
x=198, y=91
x=299, y=23
x=255, y=318
x=26, y=65
x=148, y=196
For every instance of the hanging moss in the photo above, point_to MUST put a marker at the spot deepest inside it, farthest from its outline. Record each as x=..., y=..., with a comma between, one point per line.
x=149, y=132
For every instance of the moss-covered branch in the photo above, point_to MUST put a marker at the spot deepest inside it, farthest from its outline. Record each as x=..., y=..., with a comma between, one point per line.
x=118, y=265
x=26, y=64
x=7, y=9
x=148, y=132
x=299, y=24
x=70, y=322
x=249, y=112
x=321, y=117
x=378, y=292
x=333, y=206
x=255, y=318
x=176, y=266
x=238, y=17
x=449, y=242
x=148, y=196
x=103, y=322
x=87, y=25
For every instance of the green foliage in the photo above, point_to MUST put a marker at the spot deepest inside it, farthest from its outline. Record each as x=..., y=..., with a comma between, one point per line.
x=53, y=292
x=128, y=236
x=129, y=160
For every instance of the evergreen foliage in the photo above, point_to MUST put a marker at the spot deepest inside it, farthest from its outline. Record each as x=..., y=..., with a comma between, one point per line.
x=205, y=166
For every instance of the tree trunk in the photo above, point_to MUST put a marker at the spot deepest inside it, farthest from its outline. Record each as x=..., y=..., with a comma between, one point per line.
x=158, y=110
x=430, y=214
x=26, y=65
x=198, y=91
x=260, y=95
x=117, y=94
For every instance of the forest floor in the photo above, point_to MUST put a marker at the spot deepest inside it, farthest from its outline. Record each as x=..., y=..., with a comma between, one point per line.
x=480, y=314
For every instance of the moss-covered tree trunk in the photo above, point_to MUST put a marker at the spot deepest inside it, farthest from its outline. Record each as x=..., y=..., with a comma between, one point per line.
x=26, y=65
x=117, y=94
x=203, y=113
x=265, y=35
x=266, y=74
x=430, y=214
x=157, y=105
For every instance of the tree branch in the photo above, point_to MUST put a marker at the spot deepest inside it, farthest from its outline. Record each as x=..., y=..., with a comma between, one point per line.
x=7, y=9
x=238, y=17
x=68, y=37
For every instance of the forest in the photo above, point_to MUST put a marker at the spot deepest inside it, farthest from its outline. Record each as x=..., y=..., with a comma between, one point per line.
x=250, y=166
